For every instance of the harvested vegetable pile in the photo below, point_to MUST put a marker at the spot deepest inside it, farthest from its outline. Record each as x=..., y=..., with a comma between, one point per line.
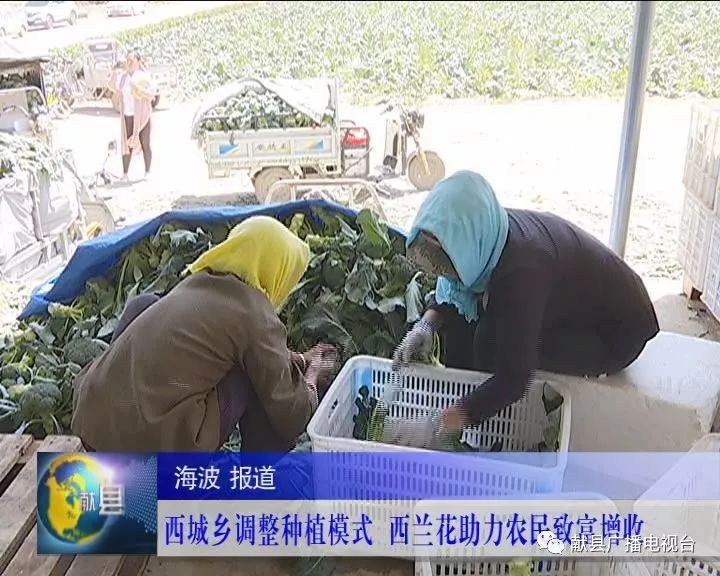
x=453, y=49
x=359, y=293
x=10, y=81
x=18, y=155
x=254, y=110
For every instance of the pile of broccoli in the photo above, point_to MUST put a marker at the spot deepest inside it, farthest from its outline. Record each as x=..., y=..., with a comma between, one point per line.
x=36, y=379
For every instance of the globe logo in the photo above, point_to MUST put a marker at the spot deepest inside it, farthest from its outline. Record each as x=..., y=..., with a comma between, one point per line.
x=69, y=498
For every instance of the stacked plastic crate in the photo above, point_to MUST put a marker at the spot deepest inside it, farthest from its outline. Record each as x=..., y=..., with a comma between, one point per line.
x=684, y=501
x=699, y=242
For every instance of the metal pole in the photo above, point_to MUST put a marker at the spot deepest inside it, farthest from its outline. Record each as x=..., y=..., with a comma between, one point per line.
x=634, y=98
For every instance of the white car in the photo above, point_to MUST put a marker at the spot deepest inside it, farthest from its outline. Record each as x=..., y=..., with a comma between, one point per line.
x=125, y=8
x=12, y=23
x=46, y=14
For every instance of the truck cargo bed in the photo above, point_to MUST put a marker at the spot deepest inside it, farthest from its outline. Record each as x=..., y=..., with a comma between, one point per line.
x=241, y=150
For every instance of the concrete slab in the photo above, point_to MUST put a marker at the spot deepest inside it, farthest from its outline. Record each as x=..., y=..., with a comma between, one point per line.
x=665, y=401
x=679, y=315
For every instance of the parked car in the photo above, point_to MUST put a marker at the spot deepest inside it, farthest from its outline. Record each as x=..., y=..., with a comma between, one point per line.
x=44, y=13
x=125, y=8
x=12, y=23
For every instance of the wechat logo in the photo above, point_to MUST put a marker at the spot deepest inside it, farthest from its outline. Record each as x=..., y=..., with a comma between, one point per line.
x=546, y=541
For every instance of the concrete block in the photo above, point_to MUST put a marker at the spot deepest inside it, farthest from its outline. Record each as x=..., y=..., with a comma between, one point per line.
x=665, y=401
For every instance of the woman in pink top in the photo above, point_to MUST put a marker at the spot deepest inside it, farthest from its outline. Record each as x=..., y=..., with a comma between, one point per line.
x=133, y=86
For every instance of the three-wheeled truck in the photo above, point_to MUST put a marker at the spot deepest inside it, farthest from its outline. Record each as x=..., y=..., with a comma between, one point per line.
x=325, y=149
x=88, y=76
x=42, y=218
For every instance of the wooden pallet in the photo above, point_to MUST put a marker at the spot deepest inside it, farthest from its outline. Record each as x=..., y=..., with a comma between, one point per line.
x=18, y=511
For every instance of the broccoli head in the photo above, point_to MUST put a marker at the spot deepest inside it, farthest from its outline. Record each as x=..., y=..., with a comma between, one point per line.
x=15, y=371
x=15, y=391
x=39, y=401
x=82, y=351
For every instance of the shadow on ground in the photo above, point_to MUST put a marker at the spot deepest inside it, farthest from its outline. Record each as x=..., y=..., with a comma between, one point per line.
x=215, y=201
x=95, y=110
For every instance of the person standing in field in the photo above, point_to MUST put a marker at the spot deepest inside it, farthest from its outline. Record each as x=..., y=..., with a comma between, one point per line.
x=135, y=95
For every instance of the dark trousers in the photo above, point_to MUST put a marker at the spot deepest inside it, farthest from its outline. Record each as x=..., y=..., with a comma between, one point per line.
x=236, y=396
x=144, y=144
x=568, y=349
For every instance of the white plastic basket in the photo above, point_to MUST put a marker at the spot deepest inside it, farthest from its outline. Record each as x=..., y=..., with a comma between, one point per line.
x=458, y=558
x=559, y=567
x=519, y=426
x=545, y=567
x=677, y=567
x=690, y=479
x=428, y=388
x=711, y=288
x=694, y=240
x=633, y=568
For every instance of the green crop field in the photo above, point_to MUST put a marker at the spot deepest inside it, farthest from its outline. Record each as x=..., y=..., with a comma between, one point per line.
x=501, y=50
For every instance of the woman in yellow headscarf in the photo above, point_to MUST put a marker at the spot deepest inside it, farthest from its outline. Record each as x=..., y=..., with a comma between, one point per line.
x=184, y=369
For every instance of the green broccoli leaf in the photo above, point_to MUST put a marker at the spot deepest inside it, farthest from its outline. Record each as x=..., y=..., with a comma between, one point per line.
x=373, y=231
x=347, y=231
x=387, y=305
x=108, y=328
x=361, y=281
x=376, y=426
x=43, y=332
x=297, y=225
x=552, y=400
x=333, y=272
x=182, y=237
x=331, y=222
x=56, y=310
x=551, y=431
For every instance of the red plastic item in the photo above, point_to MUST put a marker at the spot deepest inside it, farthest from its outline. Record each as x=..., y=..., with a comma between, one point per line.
x=355, y=137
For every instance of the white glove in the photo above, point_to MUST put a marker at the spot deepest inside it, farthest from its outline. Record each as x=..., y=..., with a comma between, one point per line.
x=416, y=345
x=415, y=433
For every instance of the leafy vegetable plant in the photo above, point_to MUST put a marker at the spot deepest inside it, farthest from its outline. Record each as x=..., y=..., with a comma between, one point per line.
x=359, y=294
x=414, y=50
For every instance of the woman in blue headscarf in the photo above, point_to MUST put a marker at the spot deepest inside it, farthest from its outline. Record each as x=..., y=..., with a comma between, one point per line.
x=519, y=291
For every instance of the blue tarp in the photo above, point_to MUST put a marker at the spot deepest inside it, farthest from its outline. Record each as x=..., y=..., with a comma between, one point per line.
x=96, y=257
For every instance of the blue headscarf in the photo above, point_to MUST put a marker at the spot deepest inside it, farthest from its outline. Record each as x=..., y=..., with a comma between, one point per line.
x=463, y=213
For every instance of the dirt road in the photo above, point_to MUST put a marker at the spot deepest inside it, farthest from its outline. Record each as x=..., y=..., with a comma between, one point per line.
x=549, y=155
x=559, y=156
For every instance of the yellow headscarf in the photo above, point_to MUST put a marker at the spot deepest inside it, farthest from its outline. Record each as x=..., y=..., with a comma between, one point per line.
x=264, y=254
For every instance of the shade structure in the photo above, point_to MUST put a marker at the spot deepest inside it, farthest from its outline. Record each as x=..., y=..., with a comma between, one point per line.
x=632, y=121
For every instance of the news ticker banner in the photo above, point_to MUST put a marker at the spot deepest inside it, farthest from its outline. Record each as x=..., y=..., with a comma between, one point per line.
x=378, y=504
